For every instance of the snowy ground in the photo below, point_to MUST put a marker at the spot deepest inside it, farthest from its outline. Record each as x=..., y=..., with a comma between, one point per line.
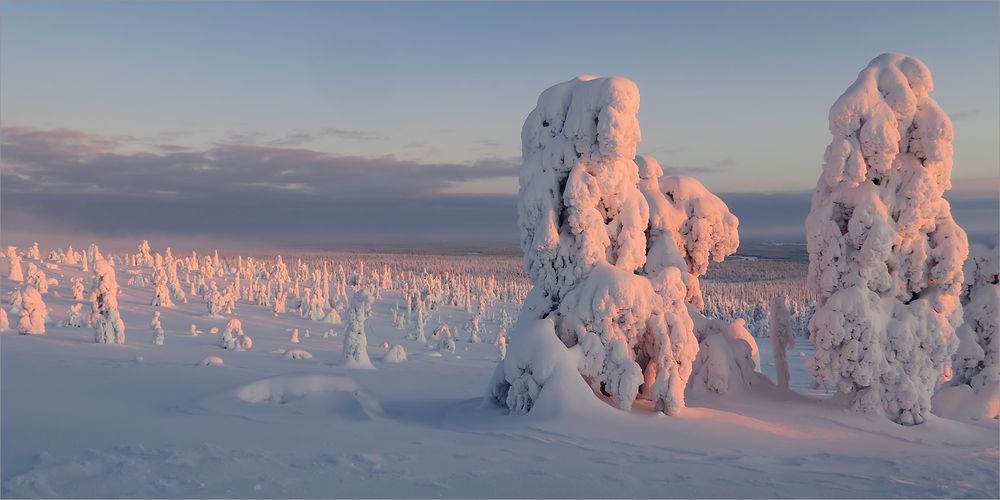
x=140, y=420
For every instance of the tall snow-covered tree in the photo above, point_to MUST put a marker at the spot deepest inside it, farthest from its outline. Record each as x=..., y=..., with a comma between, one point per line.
x=977, y=362
x=161, y=294
x=885, y=254
x=108, y=325
x=33, y=312
x=37, y=279
x=355, y=338
x=143, y=258
x=16, y=273
x=583, y=221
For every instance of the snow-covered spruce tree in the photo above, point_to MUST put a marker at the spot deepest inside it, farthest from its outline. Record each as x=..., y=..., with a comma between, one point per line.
x=78, y=289
x=474, y=329
x=74, y=316
x=173, y=282
x=690, y=226
x=4, y=320
x=355, y=338
x=161, y=294
x=501, y=348
x=14, y=305
x=885, y=255
x=981, y=306
x=782, y=337
x=583, y=222
x=215, y=301
x=316, y=304
x=231, y=333
x=108, y=325
x=974, y=391
x=154, y=321
x=16, y=273
x=37, y=279
x=143, y=258
x=34, y=252
x=33, y=312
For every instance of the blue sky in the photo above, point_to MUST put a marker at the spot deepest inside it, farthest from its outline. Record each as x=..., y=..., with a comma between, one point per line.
x=735, y=93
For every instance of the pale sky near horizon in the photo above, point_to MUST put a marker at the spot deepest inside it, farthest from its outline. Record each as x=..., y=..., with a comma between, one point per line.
x=735, y=94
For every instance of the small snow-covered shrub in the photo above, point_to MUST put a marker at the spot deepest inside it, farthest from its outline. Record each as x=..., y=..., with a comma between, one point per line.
x=37, y=278
x=212, y=361
x=396, y=354
x=727, y=357
x=297, y=354
x=782, y=338
x=539, y=374
x=74, y=316
x=78, y=289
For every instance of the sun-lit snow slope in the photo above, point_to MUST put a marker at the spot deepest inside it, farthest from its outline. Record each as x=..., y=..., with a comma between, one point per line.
x=81, y=419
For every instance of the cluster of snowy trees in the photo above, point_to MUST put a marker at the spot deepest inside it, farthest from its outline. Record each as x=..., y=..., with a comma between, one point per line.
x=28, y=302
x=614, y=252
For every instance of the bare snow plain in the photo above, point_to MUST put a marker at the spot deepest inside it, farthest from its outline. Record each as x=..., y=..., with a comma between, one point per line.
x=81, y=419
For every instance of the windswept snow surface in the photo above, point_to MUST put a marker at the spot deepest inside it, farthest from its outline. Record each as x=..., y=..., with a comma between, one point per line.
x=81, y=419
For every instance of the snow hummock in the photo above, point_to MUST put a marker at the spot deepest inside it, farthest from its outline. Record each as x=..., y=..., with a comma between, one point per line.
x=727, y=357
x=212, y=361
x=396, y=354
x=344, y=393
x=297, y=354
x=539, y=374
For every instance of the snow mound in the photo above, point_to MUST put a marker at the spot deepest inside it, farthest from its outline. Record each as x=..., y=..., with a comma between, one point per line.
x=298, y=354
x=540, y=375
x=343, y=394
x=727, y=357
x=396, y=354
x=211, y=361
x=962, y=402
